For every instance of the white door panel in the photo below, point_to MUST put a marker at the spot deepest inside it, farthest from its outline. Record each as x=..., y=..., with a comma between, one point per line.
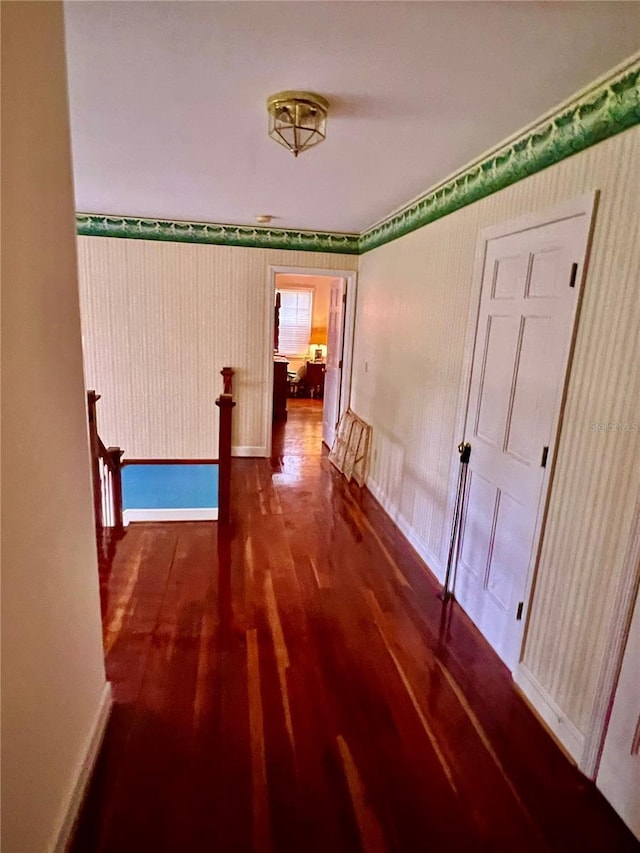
x=500, y=347
x=478, y=521
x=525, y=325
x=333, y=371
x=532, y=392
x=509, y=276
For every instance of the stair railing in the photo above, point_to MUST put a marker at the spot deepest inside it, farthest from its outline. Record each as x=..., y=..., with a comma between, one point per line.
x=106, y=473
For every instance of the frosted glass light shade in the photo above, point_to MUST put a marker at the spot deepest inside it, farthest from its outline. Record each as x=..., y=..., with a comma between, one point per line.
x=297, y=120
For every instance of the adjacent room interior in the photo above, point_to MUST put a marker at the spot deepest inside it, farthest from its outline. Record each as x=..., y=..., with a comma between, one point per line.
x=309, y=360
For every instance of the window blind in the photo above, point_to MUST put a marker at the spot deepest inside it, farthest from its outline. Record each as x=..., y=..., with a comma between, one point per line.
x=295, y=322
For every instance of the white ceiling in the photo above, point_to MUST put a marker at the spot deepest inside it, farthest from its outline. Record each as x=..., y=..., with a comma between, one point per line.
x=168, y=98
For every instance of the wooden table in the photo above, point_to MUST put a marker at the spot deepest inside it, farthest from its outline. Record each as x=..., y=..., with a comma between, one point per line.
x=280, y=388
x=314, y=378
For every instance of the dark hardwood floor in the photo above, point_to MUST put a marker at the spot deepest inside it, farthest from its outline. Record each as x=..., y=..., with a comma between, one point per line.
x=294, y=684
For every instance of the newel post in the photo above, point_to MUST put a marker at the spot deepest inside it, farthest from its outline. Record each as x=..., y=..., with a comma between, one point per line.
x=115, y=454
x=225, y=404
x=227, y=378
x=92, y=399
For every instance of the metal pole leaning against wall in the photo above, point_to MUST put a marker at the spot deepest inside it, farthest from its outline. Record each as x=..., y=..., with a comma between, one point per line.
x=464, y=449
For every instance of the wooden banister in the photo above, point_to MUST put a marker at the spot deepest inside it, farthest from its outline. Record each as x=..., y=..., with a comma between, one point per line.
x=106, y=473
x=106, y=462
x=226, y=405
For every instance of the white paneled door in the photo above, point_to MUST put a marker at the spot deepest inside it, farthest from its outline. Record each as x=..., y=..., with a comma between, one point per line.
x=529, y=297
x=333, y=371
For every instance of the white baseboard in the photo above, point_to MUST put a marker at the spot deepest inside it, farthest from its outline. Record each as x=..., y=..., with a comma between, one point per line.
x=565, y=732
x=195, y=514
x=248, y=450
x=416, y=541
x=82, y=775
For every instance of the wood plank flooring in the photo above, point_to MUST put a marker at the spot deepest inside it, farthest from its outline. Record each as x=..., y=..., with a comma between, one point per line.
x=294, y=684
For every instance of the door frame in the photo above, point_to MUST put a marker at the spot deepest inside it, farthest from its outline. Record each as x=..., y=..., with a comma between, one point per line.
x=584, y=205
x=627, y=591
x=351, y=284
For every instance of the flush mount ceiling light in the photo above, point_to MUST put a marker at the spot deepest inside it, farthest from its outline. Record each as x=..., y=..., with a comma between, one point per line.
x=297, y=120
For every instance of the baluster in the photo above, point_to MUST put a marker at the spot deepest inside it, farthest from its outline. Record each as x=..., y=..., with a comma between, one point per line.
x=108, y=504
x=104, y=475
x=92, y=399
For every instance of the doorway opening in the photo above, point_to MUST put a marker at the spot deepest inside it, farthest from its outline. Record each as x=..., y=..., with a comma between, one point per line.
x=311, y=316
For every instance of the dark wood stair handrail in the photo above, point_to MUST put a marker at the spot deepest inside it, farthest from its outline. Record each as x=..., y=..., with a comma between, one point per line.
x=111, y=458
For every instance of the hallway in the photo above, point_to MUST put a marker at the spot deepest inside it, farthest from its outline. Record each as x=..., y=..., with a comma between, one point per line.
x=295, y=684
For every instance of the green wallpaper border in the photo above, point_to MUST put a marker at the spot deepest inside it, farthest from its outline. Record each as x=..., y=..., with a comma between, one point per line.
x=606, y=108
x=136, y=228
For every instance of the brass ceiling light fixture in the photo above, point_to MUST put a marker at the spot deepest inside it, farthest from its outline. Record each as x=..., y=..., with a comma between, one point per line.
x=297, y=120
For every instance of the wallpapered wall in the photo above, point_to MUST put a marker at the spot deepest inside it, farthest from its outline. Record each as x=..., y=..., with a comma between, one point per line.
x=413, y=303
x=159, y=320
x=54, y=695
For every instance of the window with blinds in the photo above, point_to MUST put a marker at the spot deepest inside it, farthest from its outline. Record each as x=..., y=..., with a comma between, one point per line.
x=295, y=322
